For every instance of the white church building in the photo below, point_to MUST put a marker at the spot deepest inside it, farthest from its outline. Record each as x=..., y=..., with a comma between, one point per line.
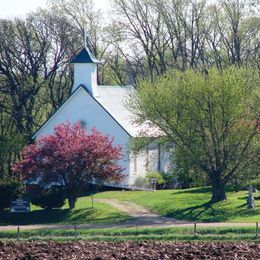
x=104, y=108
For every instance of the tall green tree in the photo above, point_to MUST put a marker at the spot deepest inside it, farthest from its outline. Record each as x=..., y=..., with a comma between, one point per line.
x=34, y=77
x=212, y=117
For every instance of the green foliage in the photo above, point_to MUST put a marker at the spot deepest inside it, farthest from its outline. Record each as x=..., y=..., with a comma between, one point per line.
x=138, y=144
x=190, y=178
x=9, y=190
x=170, y=180
x=141, y=181
x=210, y=117
x=255, y=183
x=11, y=143
x=50, y=198
x=185, y=173
x=159, y=179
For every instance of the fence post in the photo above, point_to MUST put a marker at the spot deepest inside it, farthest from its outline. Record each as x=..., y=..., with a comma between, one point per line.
x=75, y=228
x=195, y=230
x=18, y=233
x=92, y=200
x=256, y=229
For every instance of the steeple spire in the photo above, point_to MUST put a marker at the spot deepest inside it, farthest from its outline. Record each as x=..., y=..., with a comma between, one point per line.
x=85, y=38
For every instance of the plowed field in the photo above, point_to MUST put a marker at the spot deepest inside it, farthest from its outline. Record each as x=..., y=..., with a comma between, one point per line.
x=129, y=250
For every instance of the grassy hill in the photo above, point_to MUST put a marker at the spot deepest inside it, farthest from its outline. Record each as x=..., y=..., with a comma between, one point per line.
x=81, y=214
x=192, y=204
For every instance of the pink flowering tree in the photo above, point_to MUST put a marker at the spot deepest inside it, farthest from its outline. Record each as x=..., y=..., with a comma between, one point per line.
x=73, y=156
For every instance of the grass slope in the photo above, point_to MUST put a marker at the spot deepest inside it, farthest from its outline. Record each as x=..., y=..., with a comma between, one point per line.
x=192, y=204
x=81, y=214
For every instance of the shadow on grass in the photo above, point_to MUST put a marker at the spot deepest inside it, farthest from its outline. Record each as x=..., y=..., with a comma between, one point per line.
x=55, y=216
x=242, y=206
x=206, y=212
x=247, y=212
x=195, y=190
x=206, y=189
x=203, y=212
x=243, y=197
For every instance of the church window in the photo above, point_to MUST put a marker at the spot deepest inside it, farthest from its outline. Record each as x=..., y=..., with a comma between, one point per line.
x=83, y=123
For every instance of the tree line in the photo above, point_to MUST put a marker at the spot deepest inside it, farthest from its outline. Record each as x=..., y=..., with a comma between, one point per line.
x=142, y=40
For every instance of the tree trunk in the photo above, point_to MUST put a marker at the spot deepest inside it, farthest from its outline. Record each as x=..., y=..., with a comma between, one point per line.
x=218, y=191
x=72, y=201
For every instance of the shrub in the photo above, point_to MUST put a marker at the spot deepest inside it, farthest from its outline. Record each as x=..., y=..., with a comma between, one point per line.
x=33, y=190
x=169, y=179
x=50, y=198
x=160, y=182
x=255, y=183
x=9, y=190
x=141, y=182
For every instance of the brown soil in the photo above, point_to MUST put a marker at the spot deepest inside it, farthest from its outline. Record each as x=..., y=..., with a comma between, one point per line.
x=129, y=250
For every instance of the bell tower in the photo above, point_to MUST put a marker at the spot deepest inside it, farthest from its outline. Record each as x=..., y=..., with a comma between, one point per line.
x=85, y=71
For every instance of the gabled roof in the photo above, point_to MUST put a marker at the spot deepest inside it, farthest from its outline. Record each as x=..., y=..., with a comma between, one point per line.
x=85, y=56
x=66, y=101
x=114, y=98
x=113, y=101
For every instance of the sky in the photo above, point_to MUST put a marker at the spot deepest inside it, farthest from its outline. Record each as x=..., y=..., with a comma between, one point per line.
x=14, y=8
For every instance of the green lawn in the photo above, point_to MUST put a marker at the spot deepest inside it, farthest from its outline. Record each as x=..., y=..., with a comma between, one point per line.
x=192, y=204
x=176, y=233
x=82, y=214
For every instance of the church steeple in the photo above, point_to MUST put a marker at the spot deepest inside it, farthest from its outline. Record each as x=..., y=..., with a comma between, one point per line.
x=85, y=70
x=85, y=56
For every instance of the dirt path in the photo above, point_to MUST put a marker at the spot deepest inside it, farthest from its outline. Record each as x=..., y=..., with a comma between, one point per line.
x=141, y=217
x=130, y=208
x=145, y=217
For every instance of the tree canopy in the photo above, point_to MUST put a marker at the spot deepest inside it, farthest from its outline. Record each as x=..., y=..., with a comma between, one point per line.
x=213, y=118
x=73, y=157
x=141, y=39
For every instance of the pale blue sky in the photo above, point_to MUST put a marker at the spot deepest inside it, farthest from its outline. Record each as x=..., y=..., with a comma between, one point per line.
x=13, y=8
